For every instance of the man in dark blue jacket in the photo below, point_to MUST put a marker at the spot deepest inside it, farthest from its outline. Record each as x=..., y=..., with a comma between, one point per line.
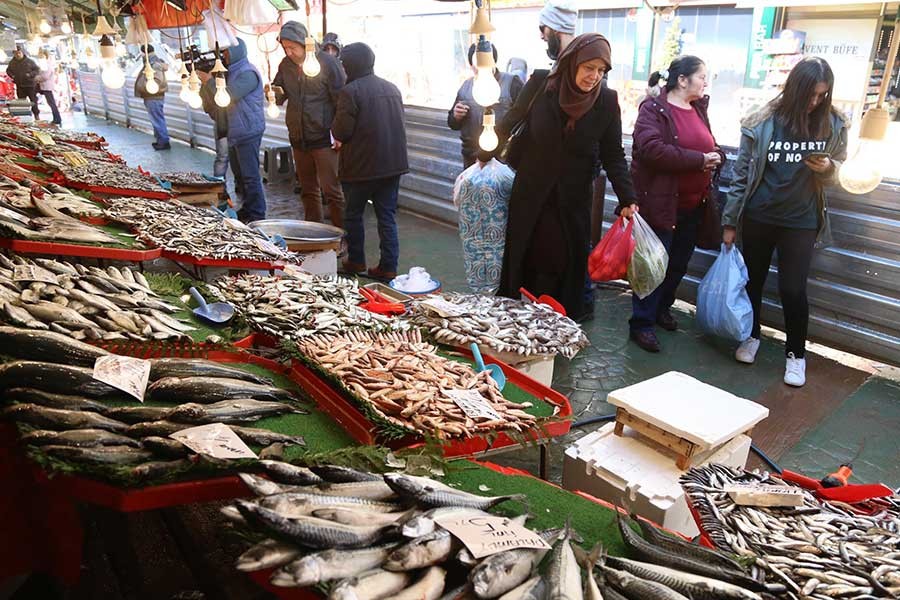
x=246, y=124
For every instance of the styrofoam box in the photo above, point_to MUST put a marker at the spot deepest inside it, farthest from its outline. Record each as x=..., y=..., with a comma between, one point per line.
x=689, y=408
x=644, y=473
x=539, y=366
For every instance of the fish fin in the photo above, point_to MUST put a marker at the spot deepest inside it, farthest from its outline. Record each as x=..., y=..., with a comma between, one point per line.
x=596, y=553
x=581, y=556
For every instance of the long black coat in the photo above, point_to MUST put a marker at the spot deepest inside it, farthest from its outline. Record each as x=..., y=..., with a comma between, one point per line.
x=558, y=166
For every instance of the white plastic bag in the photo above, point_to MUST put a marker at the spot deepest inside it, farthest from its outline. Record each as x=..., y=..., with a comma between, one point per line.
x=218, y=29
x=723, y=306
x=648, y=265
x=482, y=196
x=137, y=32
x=250, y=12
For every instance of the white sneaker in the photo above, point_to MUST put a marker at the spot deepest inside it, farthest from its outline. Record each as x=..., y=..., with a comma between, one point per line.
x=795, y=370
x=746, y=352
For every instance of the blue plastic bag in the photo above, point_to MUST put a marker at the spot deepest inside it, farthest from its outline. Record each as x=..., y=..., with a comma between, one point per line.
x=723, y=306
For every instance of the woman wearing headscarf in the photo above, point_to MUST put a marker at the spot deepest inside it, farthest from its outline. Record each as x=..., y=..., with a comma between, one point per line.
x=573, y=123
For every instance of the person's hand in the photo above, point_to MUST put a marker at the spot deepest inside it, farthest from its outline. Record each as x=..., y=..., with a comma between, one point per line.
x=728, y=235
x=711, y=160
x=818, y=164
x=460, y=111
x=278, y=90
x=629, y=211
x=336, y=145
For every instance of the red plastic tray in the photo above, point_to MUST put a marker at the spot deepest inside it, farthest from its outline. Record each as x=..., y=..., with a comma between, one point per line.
x=111, y=191
x=342, y=410
x=261, y=578
x=58, y=249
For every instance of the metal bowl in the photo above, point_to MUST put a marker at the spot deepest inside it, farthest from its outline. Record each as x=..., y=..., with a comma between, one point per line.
x=293, y=230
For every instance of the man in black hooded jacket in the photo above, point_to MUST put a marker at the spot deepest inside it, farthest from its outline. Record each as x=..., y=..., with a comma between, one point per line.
x=24, y=72
x=370, y=132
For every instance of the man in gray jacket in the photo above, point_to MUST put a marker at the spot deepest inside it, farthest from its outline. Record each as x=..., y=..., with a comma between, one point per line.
x=311, y=103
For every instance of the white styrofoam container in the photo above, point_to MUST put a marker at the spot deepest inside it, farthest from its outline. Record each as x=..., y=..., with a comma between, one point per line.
x=611, y=468
x=689, y=408
x=539, y=367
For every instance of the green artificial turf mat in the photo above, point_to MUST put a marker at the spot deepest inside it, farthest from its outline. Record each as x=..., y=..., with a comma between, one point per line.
x=550, y=505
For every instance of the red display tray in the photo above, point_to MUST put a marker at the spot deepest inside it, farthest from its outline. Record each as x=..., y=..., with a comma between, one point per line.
x=58, y=249
x=221, y=262
x=110, y=191
x=261, y=578
x=335, y=404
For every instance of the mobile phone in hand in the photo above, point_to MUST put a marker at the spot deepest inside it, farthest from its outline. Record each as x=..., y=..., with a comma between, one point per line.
x=819, y=155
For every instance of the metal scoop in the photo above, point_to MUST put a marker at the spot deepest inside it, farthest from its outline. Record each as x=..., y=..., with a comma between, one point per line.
x=217, y=312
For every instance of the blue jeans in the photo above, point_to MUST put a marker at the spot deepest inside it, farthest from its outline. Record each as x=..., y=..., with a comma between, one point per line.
x=54, y=110
x=383, y=194
x=679, y=244
x=254, y=199
x=156, y=111
x=220, y=164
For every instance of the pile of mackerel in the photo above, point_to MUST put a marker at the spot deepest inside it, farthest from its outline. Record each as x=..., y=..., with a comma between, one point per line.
x=369, y=536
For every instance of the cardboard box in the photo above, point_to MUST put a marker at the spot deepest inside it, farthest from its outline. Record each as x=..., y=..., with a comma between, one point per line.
x=612, y=468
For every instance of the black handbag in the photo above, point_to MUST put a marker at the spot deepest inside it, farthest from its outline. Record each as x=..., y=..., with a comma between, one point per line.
x=511, y=152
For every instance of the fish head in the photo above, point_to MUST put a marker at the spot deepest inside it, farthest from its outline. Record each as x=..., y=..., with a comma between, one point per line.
x=404, y=484
x=300, y=573
x=259, y=485
x=418, y=526
x=492, y=578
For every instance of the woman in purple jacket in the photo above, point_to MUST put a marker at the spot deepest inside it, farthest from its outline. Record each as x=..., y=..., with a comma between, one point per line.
x=674, y=155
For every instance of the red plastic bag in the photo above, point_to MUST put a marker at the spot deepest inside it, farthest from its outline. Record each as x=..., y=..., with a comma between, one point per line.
x=609, y=260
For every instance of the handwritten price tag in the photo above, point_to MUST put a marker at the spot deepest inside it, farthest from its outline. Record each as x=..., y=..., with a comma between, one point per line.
x=34, y=273
x=75, y=159
x=216, y=440
x=45, y=139
x=124, y=373
x=484, y=536
x=442, y=307
x=473, y=404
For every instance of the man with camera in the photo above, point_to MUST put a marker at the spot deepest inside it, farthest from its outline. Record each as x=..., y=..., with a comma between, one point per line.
x=311, y=103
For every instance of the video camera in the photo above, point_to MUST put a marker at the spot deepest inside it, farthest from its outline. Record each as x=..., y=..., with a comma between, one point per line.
x=202, y=61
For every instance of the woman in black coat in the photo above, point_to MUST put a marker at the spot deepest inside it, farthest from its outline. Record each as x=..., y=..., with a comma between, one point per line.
x=573, y=123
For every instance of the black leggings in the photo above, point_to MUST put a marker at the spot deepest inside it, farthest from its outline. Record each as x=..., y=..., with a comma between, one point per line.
x=795, y=250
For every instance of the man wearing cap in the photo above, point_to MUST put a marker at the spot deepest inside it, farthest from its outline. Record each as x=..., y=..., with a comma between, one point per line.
x=557, y=21
x=311, y=103
x=466, y=115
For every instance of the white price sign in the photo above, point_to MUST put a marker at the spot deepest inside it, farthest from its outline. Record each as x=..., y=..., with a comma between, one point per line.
x=216, y=440
x=442, y=307
x=473, y=404
x=484, y=536
x=34, y=273
x=124, y=373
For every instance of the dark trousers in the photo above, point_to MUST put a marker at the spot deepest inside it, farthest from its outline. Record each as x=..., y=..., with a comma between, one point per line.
x=679, y=243
x=795, y=250
x=51, y=102
x=157, y=113
x=31, y=94
x=383, y=194
x=254, y=199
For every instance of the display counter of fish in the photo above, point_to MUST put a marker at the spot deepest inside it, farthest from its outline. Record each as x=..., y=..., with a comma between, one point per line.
x=85, y=302
x=108, y=174
x=405, y=380
x=36, y=215
x=188, y=178
x=503, y=324
x=303, y=305
x=195, y=231
x=817, y=550
x=70, y=415
x=361, y=536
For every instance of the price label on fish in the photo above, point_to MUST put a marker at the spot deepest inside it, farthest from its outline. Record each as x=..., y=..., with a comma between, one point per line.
x=473, y=404
x=216, y=440
x=442, y=307
x=124, y=373
x=34, y=273
x=44, y=138
x=764, y=495
x=484, y=536
x=75, y=159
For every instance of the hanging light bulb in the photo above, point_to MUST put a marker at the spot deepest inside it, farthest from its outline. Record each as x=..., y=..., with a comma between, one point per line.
x=863, y=171
x=90, y=58
x=65, y=27
x=113, y=77
x=488, y=141
x=485, y=89
x=272, y=108
x=185, y=93
x=44, y=26
x=311, y=66
x=195, y=101
x=150, y=77
x=121, y=50
x=222, y=97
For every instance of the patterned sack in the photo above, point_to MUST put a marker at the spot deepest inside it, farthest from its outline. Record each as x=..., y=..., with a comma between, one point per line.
x=481, y=195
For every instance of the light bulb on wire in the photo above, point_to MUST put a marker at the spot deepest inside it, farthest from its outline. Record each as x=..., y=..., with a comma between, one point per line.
x=222, y=97
x=272, y=108
x=113, y=77
x=862, y=172
x=150, y=80
x=195, y=101
x=44, y=26
x=488, y=141
x=185, y=92
x=311, y=66
x=485, y=89
x=65, y=27
x=91, y=59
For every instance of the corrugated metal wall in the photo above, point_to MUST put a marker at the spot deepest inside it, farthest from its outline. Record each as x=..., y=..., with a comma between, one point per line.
x=854, y=287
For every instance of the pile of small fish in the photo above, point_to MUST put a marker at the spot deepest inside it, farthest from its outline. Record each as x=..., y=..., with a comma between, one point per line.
x=53, y=391
x=19, y=206
x=109, y=174
x=303, y=305
x=503, y=324
x=185, y=178
x=77, y=137
x=368, y=536
x=818, y=550
x=406, y=381
x=84, y=302
x=194, y=231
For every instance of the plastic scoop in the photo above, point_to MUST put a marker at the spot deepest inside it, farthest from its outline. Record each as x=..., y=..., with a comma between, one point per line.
x=544, y=299
x=379, y=304
x=217, y=312
x=497, y=373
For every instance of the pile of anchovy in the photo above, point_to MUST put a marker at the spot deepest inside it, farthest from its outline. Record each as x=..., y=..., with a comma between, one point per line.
x=52, y=394
x=108, y=174
x=195, y=231
x=84, y=302
x=404, y=380
x=818, y=550
x=298, y=307
x=185, y=178
x=503, y=324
